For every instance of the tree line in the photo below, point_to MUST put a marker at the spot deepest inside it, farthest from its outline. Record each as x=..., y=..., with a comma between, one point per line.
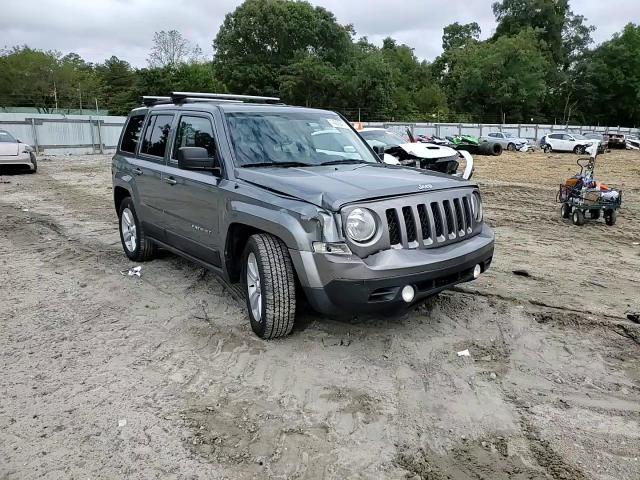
x=540, y=65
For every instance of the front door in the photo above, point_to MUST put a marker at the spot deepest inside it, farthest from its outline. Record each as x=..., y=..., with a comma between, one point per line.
x=191, y=198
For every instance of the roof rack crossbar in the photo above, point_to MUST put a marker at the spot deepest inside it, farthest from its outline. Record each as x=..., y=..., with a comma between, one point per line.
x=153, y=99
x=181, y=96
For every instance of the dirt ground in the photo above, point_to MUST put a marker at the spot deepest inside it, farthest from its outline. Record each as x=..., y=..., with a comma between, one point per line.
x=106, y=376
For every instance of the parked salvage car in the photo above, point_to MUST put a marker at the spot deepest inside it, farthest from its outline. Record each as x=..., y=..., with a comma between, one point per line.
x=396, y=150
x=242, y=188
x=508, y=141
x=603, y=138
x=14, y=152
x=617, y=140
x=566, y=142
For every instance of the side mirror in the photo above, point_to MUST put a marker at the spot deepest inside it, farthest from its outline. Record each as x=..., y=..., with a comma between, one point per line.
x=195, y=158
x=379, y=149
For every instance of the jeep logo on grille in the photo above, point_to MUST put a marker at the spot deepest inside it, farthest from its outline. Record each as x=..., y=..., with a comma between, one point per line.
x=425, y=186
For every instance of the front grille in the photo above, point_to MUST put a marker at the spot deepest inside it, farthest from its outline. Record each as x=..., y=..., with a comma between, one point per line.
x=430, y=224
x=394, y=227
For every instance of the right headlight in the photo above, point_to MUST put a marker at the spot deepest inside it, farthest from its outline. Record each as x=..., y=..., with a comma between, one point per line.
x=360, y=225
x=476, y=206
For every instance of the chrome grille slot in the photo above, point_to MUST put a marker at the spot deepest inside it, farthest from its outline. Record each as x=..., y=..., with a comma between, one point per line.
x=425, y=225
x=410, y=224
x=393, y=226
x=437, y=219
x=467, y=213
x=459, y=216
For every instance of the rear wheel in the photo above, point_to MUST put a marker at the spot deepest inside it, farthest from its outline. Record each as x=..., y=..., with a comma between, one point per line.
x=565, y=210
x=578, y=217
x=610, y=217
x=270, y=286
x=594, y=214
x=135, y=243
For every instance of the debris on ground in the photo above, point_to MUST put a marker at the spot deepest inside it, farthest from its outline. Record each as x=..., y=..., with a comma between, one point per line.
x=634, y=316
x=521, y=273
x=464, y=353
x=137, y=271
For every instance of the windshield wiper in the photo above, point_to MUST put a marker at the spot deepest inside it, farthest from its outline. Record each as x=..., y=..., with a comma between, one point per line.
x=343, y=161
x=276, y=164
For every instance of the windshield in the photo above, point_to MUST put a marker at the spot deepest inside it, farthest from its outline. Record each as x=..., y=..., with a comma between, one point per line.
x=5, y=137
x=294, y=139
x=382, y=138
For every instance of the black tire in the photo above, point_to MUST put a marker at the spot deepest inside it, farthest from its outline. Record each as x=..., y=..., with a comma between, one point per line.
x=277, y=286
x=579, y=150
x=34, y=162
x=547, y=149
x=565, y=210
x=610, y=217
x=594, y=214
x=511, y=147
x=144, y=249
x=577, y=217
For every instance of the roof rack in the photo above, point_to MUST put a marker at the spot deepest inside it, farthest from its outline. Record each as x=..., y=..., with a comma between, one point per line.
x=182, y=96
x=195, y=97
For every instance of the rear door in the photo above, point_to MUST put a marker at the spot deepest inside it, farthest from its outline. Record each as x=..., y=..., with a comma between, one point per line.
x=191, y=198
x=147, y=169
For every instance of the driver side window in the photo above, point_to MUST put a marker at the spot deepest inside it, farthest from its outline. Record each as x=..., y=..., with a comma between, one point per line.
x=194, y=132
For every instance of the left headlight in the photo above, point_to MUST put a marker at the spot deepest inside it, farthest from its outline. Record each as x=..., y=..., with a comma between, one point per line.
x=476, y=206
x=27, y=149
x=360, y=225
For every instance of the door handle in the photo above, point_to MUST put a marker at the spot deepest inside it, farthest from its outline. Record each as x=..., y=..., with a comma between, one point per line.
x=171, y=180
x=137, y=171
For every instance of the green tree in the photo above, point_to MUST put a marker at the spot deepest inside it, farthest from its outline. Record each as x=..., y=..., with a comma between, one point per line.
x=505, y=76
x=609, y=92
x=458, y=35
x=118, y=82
x=260, y=40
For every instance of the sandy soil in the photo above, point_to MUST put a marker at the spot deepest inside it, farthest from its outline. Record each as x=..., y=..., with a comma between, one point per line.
x=106, y=376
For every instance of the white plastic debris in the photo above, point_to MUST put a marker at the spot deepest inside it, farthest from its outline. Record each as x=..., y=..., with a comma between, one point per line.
x=122, y=422
x=464, y=353
x=137, y=271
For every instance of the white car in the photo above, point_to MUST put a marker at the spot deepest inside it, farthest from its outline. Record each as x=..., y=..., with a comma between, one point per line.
x=398, y=151
x=567, y=142
x=14, y=152
x=508, y=141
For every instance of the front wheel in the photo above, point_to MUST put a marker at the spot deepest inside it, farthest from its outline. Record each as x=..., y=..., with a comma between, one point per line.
x=578, y=217
x=610, y=217
x=34, y=163
x=270, y=286
x=579, y=150
x=594, y=214
x=547, y=149
x=511, y=147
x=565, y=210
x=135, y=243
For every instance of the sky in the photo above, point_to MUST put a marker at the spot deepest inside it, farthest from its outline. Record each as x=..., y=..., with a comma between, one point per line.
x=98, y=29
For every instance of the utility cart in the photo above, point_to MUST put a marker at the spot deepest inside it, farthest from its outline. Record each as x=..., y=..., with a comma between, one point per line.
x=581, y=196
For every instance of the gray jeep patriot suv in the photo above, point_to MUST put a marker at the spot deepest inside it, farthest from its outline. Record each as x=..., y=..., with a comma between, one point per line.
x=291, y=201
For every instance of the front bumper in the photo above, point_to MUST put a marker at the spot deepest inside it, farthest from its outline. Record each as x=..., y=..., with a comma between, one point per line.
x=337, y=284
x=22, y=159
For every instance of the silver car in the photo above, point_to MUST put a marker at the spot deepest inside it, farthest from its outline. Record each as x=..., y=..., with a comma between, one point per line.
x=14, y=152
x=508, y=141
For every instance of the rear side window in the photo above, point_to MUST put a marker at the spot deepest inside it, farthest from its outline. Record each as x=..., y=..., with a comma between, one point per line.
x=131, y=135
x=194, y=132
x=156, y=135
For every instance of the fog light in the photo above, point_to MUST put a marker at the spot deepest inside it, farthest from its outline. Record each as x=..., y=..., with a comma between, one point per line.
x=477, y=270
x=408, y=293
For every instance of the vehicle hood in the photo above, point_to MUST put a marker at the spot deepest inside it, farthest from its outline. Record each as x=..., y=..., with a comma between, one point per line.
x=9, y=148
x=428, y=150
x=331, y=187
